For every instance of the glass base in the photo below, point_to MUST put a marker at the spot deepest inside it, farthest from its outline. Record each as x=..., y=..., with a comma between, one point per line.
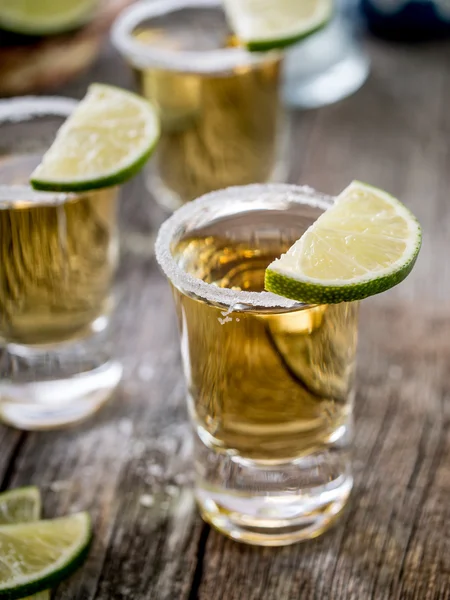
x=325, y=68
x=43, y=389
x=273, y=505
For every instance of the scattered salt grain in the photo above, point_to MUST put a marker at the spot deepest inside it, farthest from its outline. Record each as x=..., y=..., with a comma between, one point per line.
x=146, y=372
x=146, y=500
x=59, y=486
x=125, y=427
x=155, y=470
x=395, y=372
x=172, y=490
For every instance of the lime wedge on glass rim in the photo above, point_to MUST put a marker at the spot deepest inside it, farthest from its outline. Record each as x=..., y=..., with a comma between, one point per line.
x=105, y=141
x=364, y=244
x=44, y=17
x=267, y=24
x=36, y=555
x=21, y=506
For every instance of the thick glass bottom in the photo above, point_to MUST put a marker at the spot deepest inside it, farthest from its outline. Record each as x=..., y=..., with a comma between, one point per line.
x=273, y=504
x=47, y=389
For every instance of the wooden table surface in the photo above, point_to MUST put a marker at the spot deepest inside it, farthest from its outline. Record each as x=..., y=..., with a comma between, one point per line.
x=394, y=541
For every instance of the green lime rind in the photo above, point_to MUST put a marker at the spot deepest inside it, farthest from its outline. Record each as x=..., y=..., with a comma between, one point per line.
x=39, y=582
x=266, y=45
x=315, y=293
x=96, y=183
x=20, y=505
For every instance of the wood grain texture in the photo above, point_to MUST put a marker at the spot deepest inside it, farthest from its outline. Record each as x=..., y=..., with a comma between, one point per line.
x=130, y=465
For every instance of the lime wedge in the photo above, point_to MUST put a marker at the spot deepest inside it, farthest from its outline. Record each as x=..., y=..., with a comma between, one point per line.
x=35, y=556
x=267, y=24
x=43, y=17
x=21, y=506
x=104, y=142
x=366, y=243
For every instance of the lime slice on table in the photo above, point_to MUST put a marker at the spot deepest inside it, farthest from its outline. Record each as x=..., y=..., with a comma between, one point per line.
x=267, y=24
x=104, y=142
x=366, y=243
x=37, y=555
x=43, y=17
x=21, y=506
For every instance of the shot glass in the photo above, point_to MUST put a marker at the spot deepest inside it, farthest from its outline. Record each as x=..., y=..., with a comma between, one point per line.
x=219, y=105
x=58, y=253
x=329, y=65
x=270, y=382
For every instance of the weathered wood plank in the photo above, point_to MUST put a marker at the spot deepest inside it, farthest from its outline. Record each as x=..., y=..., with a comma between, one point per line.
x=10, y=442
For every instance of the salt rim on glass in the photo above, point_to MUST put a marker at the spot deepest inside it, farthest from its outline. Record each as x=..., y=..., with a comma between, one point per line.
x=192, y=61
x=215, y=205
x=21, y=110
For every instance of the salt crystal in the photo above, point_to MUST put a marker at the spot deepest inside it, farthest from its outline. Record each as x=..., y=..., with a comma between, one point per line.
x=395, y=372
x=172, y=490
x=146, y=500
x=125, y=427
x=181, y=479
x=146, y=372
x=59, y=486
x=155, y=470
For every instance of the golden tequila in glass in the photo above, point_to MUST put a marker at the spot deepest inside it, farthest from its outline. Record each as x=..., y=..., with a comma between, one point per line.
x=58, y=254
x=57, y=258
x=219, y=105
x=270, y=381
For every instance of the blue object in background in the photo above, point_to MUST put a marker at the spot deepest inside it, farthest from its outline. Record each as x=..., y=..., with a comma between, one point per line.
x=408, y=20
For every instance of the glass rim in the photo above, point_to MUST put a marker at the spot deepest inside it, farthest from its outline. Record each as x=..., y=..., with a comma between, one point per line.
x=191, y=61
x=20, y=110
x=209, y=205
